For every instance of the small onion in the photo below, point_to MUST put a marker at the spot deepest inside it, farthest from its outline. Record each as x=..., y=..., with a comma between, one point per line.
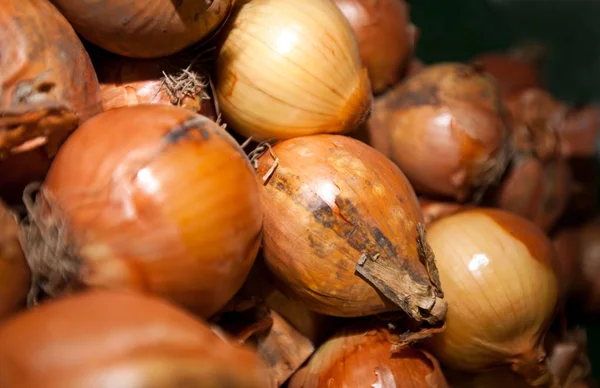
x=126, y=82
x=499, y=278
x=579, y=132
x=336, y=208
x=385, y=37
x=512, y=74
x=362, y=357
x=15, y=276
x=139, y=29
x=153, y=198
x=105, y=339
x=434, y=210
x=446, y=129
x=290, y=68
x=589, y=256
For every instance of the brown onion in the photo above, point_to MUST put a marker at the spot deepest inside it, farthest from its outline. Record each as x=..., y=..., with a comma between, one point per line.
x=498, y=274
x=126, y=82
x=512, y=74
x=568, y=249
x=385, y=36
x=105, y=339
x=495, y=378
x=589, y=240
x=48, y=87
x=142, y=30
x=362, y=357
x=445, y=128
x=579, y=132
x=434, y=210
x=343, y=230
x=15, y=277
x=153, y=198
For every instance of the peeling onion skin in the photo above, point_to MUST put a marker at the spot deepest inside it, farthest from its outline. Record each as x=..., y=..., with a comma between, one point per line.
x=386, y=38
x=446, y=129
x=144, y=30
x=180, y=218
x=270, y=78
x=500, y=281
x=105, y=339
x=330, y=200
x=362, y=357
x=15, y=276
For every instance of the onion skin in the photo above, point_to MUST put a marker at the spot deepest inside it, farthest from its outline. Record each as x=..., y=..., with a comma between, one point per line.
x=513, y=75
x=385, y=36
x=498, y=315
x=330, y=201
x=288, y=68
x=173, y=214
x=15, y=277
x=141, y=30
x=105, y=339
x=450, y=111
x=362, y=357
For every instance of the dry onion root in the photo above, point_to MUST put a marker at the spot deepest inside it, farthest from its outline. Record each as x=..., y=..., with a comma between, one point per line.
x=500, y=281
x=343, y=230
x=145, y=30
x=104, y=339
x=290, y=68
x=150, y=197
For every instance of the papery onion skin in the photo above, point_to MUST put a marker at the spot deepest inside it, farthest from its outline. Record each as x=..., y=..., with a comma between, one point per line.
x=288, y=68
x=142, y=30
x=105, y=339
x=362, y=357
x=330, y=201
x=500, y=281
x=162, y=211
x=385, y=37
x=513, y=75
x=15, y=277
x=446, y=129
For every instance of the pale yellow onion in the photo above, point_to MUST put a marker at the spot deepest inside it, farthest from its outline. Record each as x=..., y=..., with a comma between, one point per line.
x=290, y=68
x=498, y=276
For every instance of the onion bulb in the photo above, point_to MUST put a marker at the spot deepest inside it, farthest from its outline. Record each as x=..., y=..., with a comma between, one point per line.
x=142, y=30
x=290, y=68
x=126, y=82
x=15, y=276
x=589, y=256
x=343, y=230
x=512, y=74
x=495, y=378
x=105, y=339
x=446, y=129
x=153, y=198
x=499, y=278
x=385, y=37
x=579, y=132
x=362, y=357
x=434, y=210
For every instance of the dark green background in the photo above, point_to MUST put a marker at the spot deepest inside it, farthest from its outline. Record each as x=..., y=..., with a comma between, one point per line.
x=456, y=30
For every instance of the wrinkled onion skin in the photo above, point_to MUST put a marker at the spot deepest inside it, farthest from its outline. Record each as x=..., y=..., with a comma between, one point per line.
x=363, y=358
x=385, y=37
x=196, y=222
x=15, y=277
x=144, y=30
x=324, y=184
x=105, y=339
x=512, y=75
x=499, y=277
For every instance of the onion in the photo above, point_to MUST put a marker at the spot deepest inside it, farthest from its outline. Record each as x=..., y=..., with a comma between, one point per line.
x=445, y=128
x=15, y=276
x=434, y=210
x=385, y=37
x=499, y=277
x=568, y=249
x=289, y=68
x=107, y=339
x=141, y=30
x=496, y=378
x=343, y=230
x=361, y=357
x=153, y=198
x=126, y=82
x=584, y=190
x=579, y=132
x=512, y=74
x=589, y=240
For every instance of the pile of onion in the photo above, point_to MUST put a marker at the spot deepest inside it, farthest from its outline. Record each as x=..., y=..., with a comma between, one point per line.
x=48, y=87
x=446, y=129
x=106, y=339
x=363, y=357
x=153, y=198
x=287, y=68
x=498, y=274
x=386, y=38
x=343, y=230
